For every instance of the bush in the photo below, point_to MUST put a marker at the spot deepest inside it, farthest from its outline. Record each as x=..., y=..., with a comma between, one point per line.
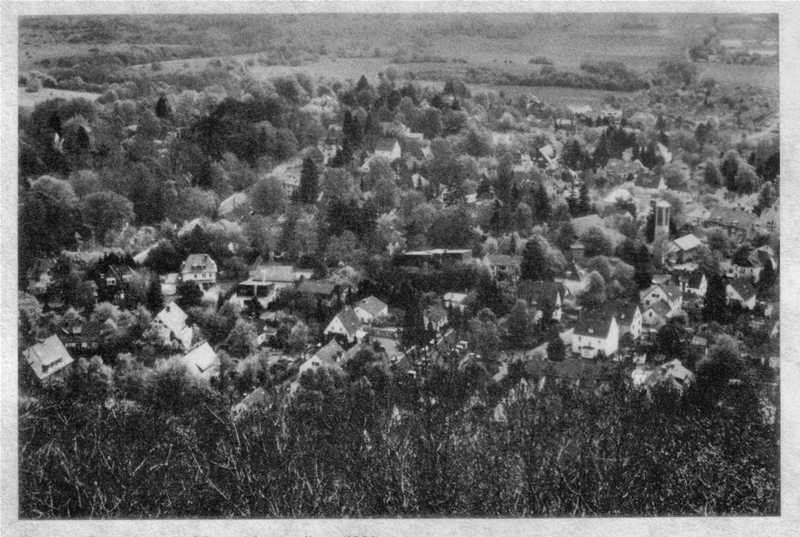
x=157, y=66
x=541, y=60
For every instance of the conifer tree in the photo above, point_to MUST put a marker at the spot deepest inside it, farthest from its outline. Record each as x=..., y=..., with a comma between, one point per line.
x=309, y=182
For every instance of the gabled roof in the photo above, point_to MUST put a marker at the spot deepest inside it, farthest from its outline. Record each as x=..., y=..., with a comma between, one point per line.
x=435, y=314
x=372, y=305
x=743, y=288
x=317, y=287
x=671, y=291
x=726, y=217
x=349, y=320
x=330, y=352
x=455, y=297
x=687, y=242
x=231, y=203
x=202, y=362
x=693, y=278
x=47, y=357
x=572, y=272
x=203, y=262
x=593, y=324
x=660, y=308
x=622, y=310
x=173, y=317
x=386, y=145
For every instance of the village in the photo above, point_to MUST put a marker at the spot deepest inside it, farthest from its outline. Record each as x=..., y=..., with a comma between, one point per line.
x=213, y=254
x=602, y=290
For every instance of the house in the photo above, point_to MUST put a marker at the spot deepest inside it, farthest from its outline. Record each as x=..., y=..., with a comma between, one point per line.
x=455, y=300
x=738, y=223
x=698, y=215
x=694, y=282
x=656, y=313
x=673, y=374
x=326, y=356
x=169, y=283
x=266, y=281
x=618, y=194
x=199, y=269
x=742, y=291
x=503, y=267
x=573, y=278
x=595, y=332
x=435, y=317
x=749, y=267
x=627, y=314
x=117, y=276
x=323, y=291
x=683, y=249
x=40, y=276
x=664, y=152
x=47, y=357
x=370, y=308
x=255, y=398
x=345, y=324
x=549, y=155
x=541, y=294
x=388, y=149
x=667, y=292
x=171, y=323
x=436, y=257
x=236, y=203
x=201, y=362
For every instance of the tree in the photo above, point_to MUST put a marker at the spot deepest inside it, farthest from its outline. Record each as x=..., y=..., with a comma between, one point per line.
x=595, y=293
x=189, y=295
x=106, y=211
x=584, y=203
x=253, y=308
x=671, y=338
x=484, y=338
x=267, y=196
x=556, y=350
x=596, y=242
x=47, y=219
x=519, y=325
x=766, y=198
x=746, y=179
x=163, y=109
x=542, y=209
x=767, y=278
x=240, y=340
x=413, y=332
x=715, y=307
x=154, y=299
x=309, y=182
x=643, y=275
x=535, y=264
x=729, y=168
x=712, y=175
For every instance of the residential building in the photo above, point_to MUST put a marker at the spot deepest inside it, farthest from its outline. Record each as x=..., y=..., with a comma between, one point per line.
x=201, y=362
x=388, y=149
x=573, y=278
x=345, y=324
x=323, y=291
x=667, y=292
x=47, y=357
x=656, y=313
x=435, y=317
x=694, y=282
x=370, y=309
x=742, y=291
x=503, y=267
x=171, y=322
x=455, y=300
x=199, y=269
x=627, y=314
x=595, y=332
x=683, y=249
x=326, y=356
x=738, y=223
x=541, y=294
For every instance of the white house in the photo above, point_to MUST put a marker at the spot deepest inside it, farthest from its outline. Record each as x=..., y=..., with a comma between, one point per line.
x=47, y=357
x=742, y=291
x=683, y=249
x=346, y=324
x=326, y=356
x=199, y=269
x=595, y=332
x=171, y=322
x=694, y=282
x=666, y=292
x=388, y=149
x=540, y=295
x=370, y=308
x=656, y=313
x=202, y=362
x=435, y=317
x=455, y=300
x=627, y=314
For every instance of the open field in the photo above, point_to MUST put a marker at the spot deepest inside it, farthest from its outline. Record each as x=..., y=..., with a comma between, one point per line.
x=32, y=99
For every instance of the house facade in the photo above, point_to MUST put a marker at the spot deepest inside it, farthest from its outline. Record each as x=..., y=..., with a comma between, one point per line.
x=47, y=357
x=595, y=332
x=742, y=291
x=370, y=309
x=670, y=294
x=345, y=324
x=199, y=269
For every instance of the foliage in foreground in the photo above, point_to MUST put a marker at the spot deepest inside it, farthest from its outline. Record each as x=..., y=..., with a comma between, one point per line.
x=338, y=447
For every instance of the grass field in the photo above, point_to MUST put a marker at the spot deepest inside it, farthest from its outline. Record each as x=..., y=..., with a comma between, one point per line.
x=32, y=99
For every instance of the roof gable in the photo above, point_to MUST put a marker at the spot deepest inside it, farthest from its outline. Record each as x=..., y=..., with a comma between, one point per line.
x=372, y=305
x=594, y=324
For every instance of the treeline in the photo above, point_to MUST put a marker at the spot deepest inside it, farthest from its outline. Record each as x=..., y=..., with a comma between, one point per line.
x=131, y=442
x=609, y=76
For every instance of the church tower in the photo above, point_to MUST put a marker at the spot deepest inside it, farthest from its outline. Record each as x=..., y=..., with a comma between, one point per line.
x=661, y=236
